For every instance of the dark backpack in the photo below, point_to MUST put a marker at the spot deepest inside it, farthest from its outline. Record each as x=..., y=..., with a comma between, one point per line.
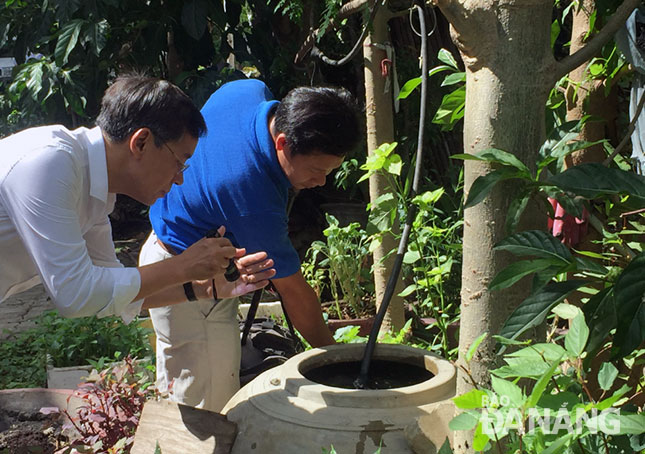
x=265, y=344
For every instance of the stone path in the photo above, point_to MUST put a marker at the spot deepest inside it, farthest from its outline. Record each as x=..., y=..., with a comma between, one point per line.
x=18, y=312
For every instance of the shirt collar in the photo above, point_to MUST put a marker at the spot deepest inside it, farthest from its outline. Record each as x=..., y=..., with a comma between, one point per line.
x=97, y=164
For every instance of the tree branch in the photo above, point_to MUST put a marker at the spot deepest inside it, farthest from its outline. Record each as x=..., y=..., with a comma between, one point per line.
x=568, y=64
x=345, y=11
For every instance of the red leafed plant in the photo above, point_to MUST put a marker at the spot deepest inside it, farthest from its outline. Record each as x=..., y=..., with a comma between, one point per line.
x=114, y=399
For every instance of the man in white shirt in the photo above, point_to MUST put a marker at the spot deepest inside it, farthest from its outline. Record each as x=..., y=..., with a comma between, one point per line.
x=58, y=186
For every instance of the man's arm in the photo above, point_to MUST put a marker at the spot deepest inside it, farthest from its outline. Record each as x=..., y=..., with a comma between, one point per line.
x=303, y=307
x=255, y=271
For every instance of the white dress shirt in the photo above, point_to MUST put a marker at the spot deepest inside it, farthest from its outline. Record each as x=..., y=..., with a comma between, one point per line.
x=54, y=226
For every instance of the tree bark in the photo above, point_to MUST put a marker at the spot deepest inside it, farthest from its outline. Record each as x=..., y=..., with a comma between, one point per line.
x=380, y=129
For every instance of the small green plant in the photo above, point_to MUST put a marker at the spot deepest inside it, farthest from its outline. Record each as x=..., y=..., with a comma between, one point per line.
x=540, y=401
x=66, y=342
x=343, y=260
x=76, y=341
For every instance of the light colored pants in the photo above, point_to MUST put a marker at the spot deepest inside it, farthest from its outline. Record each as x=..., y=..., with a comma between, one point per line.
x=198, y=345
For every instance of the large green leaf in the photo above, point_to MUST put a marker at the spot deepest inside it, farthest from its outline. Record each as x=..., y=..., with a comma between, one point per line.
x=600, y=315
x=534, y=309
x=630, y=309
x=559, y=137
x=451, y=109
x=593, y=180
x=484, y=184
x=67, y=40
x=516, y=271
x=194, y=18
x=577, y=336
x=536, y=243
x=515, y=210
x=95, y=35
x=498, y=156
x=408, y=87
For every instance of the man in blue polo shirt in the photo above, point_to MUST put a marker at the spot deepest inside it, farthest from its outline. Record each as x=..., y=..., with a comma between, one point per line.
x=256, y=149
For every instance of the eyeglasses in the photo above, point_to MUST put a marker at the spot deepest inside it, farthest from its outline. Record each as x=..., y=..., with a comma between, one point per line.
x=182, y=166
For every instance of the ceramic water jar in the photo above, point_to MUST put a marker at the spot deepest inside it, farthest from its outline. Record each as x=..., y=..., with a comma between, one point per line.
x=282, y=411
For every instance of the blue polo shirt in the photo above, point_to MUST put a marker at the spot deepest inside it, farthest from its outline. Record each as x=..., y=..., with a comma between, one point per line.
x=234, y=179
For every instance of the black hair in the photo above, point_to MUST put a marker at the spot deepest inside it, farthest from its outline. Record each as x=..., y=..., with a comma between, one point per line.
x=319, y=119
x=134, y=101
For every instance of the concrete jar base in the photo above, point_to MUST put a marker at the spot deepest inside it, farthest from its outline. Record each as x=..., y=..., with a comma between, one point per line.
x=281, y=411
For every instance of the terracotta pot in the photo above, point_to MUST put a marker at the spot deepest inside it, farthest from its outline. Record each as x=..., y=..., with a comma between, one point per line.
x=282, y=411
x=365, y=324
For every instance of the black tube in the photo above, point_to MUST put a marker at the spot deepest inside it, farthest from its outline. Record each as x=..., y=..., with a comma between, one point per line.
x=363, y=377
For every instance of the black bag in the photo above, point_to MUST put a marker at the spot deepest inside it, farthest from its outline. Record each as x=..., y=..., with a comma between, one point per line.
x=265, y=344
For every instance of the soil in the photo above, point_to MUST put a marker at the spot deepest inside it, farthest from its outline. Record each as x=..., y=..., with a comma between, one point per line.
x=30, y=432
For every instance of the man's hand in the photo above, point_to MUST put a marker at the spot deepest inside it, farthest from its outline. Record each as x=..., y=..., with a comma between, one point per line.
x=206, y=258
x=255, y=272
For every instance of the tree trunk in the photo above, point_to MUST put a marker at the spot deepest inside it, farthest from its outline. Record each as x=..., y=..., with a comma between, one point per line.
x=380, y=129
x=506, y=50
x=510, y=69
x=587, y=97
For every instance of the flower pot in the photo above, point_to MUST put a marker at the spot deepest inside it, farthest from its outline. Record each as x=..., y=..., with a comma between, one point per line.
x=288, y=410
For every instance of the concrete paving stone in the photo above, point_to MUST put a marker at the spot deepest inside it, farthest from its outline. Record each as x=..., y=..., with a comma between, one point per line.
x=17, y=313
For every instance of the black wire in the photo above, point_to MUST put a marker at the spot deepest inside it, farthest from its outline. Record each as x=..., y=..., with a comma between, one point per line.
x=315, y=52
x=363, y=377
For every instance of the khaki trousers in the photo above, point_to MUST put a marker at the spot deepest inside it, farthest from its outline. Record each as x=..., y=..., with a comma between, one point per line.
x=198, y=345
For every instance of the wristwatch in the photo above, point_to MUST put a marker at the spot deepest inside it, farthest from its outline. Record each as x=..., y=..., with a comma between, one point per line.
x=189, y=291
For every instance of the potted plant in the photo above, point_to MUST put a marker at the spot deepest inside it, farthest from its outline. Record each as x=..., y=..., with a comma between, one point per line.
x=339, y=267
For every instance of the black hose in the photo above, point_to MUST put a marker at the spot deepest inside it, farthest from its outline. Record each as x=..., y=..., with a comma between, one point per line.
x=363, y=377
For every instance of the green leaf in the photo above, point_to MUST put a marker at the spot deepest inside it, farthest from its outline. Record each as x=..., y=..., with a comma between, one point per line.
x=96, y=34
x=508, y=389
x=558, y=445
x=516, y=271
x=408, y=290
x=473, y=347
x=409, y=87
x=194, y=17
x=541, y=385
x=67, y=40
x=464, y=421
x=606, y=376
x=484, y=184
x=629, y=292
x=559, y=137
x=555, y=31
x=516, y=209
x=440, y=68
x=566, y=311
x=534, y=309
x=536, y=243
x=615, y=397
x=451, y=109
x=455, y=78
x=472, y=399
x=591, y=266
x=446, y=57
x=617, y=424
x=593, y=180
x=445, y=447
x=480, y=439
x=576, y=339
x=600, y=314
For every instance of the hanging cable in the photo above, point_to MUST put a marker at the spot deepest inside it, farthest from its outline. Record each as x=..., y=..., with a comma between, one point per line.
x=363, y=377
x=315, y=52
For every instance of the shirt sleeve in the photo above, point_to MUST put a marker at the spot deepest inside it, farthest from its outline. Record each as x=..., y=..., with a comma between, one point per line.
x=43, y=194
